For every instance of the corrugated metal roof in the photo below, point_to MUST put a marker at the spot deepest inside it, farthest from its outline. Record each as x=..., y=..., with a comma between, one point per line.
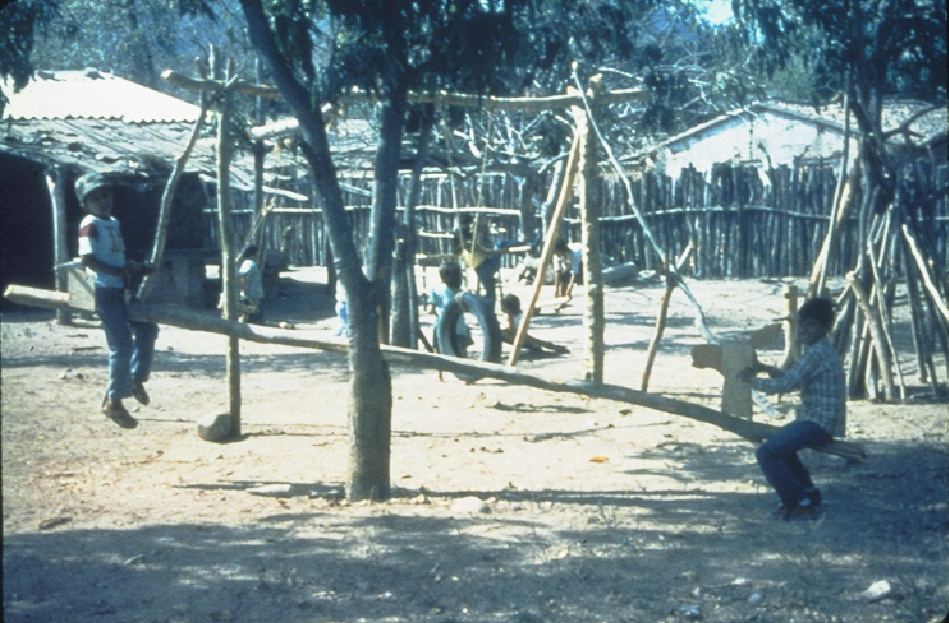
x=106, y=123
x=91, y=94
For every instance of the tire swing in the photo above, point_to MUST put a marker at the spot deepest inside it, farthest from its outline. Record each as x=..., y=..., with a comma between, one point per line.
x=451, y=342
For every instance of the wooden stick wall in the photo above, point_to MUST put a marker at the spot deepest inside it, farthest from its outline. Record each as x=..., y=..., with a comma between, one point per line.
x=741, y=220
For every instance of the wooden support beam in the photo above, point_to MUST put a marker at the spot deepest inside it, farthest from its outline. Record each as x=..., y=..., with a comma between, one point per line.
x=167, y=199
x=284, y=127
x=202, y=321
x=57, y=196
x=228, y=255
x=236, y=86
x=589, y=191
x=566, y=192
x=927, y=279
x=737, y=355
x=839, y=212
x=38, y=297
x=792, y=350
x=875, y=326
x=660, y=328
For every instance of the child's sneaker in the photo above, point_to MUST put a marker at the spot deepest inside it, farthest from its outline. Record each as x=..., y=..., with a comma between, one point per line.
x=138, y=391
x=813, y=494
x=116, y=412
x=801, y=512
x=792, y=513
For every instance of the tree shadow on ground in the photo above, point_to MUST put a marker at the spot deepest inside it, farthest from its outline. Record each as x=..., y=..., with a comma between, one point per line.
x=635, y=556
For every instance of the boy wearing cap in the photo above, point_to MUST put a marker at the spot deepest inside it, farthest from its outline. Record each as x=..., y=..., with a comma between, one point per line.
x=131, y=344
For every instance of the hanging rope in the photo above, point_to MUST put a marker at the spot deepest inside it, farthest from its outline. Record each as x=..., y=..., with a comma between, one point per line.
x=758, y=397
x=709, y=337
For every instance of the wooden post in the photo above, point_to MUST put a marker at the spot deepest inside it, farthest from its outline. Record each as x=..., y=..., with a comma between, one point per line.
x=791, y=348
x=224, y=88
x=928, y=282
x=736, y=395
x=660, y=328
x=839, y=212
x=875, y=325
x=258, y=149
x=57, y=199
x=167, y=198
x=590, y=215
x=566, y=192
x=228, y=266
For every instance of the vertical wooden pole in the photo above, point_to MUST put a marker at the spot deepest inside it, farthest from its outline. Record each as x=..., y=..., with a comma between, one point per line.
x=57, y=198
x=566, y=192
x=875, y=324
x=228, y=267
x=736, y=395
x=590, y=215
x=660, y=328
x=259, y=238
x=791, y=348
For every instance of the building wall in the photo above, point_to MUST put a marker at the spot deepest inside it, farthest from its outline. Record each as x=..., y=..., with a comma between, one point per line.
x=739, y=139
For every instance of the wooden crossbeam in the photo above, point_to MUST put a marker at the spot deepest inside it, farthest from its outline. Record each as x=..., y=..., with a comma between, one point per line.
x=284, y=127
x=236, y=86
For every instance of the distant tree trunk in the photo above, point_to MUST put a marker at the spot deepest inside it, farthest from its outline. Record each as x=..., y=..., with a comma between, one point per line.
x=404, y=299
x=400, y=329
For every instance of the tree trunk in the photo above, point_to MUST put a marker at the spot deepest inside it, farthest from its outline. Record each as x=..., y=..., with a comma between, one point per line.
x=371, y=398
x=370, y=411
x=404, y=299
x=370, y=405
x=400, y=329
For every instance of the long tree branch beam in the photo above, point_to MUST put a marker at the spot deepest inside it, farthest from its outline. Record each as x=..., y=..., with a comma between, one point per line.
x=237, y=86
x=566, y=192
x=200, y=321
x=485, y=102
x=927, y=279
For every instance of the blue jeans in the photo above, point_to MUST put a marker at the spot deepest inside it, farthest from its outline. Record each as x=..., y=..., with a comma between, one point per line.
x=779, y=461
x=131, y=344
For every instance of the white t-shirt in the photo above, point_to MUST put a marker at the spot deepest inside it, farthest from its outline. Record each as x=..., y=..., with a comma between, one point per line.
x=253, y=286
x=102, y=239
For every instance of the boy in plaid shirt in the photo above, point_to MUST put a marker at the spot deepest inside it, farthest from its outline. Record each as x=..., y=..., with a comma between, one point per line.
x=819, y=375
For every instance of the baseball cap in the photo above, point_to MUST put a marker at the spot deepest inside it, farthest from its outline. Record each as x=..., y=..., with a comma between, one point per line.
x=91, y=181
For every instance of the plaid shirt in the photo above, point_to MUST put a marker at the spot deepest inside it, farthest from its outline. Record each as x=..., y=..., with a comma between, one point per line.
x=819, y=374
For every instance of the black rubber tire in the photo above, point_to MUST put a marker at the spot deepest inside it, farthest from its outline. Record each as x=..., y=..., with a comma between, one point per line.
x=469, y=303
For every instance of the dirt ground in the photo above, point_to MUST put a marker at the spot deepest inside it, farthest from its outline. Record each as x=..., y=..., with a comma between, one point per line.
x=510, y=504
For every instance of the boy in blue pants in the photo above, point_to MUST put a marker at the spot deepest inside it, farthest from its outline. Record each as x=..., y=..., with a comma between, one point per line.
x=131, y=344
x=819, y=375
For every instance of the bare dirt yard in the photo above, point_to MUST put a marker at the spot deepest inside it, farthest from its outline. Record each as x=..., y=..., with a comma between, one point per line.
x=509, y=504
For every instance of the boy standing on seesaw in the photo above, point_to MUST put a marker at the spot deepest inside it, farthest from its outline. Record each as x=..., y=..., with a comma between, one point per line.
x=819, y=375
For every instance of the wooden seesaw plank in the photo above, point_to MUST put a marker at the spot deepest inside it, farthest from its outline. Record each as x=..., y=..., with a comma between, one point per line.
x=190, y=319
